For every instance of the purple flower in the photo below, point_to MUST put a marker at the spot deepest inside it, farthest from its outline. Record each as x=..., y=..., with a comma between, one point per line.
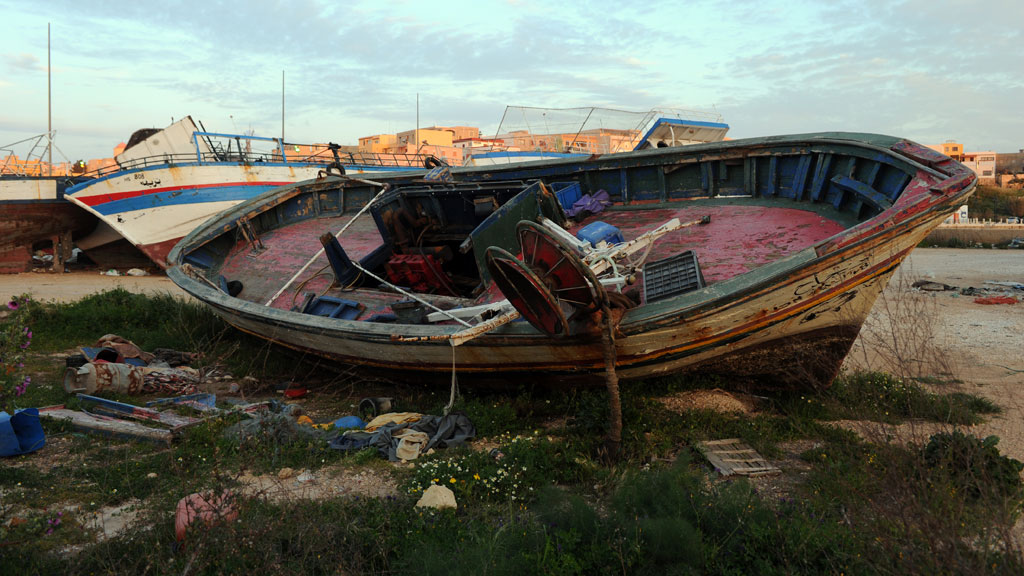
x=12, y=305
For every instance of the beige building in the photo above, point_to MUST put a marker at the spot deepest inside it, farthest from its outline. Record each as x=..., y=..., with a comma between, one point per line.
x=439, y=141
x=377, y=144
x=983, y=164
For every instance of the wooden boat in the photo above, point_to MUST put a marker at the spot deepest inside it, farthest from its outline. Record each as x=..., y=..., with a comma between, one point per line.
x=167, y=182
x=33, y=214
x=781, y=246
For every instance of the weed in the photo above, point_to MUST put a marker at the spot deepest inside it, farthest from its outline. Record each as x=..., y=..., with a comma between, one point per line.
x=883, y=397
x=15, y=338
x=974, y=467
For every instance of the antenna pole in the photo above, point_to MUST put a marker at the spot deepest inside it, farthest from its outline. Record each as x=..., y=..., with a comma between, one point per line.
x=417, y=122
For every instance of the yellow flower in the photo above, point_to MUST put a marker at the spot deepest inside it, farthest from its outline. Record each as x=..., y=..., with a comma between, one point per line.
x=452, y=480
x=476, y=476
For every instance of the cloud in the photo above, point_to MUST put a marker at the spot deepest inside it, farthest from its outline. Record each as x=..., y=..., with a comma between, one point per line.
x=23, y=62
x=770, y=66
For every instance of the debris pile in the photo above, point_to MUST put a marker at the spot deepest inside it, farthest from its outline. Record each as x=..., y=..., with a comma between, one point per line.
x=992, y=292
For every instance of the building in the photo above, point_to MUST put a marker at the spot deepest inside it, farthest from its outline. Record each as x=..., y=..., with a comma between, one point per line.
x=473, y=143
x=377, y=144
x=1010, y=162
x=983, y=164
x=953, y=149
x=439, y=141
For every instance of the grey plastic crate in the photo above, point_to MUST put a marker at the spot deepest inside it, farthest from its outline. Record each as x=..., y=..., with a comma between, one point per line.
x=671, y=276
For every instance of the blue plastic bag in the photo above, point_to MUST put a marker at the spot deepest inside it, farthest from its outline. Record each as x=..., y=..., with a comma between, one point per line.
x=21, y=433
x=349, y=422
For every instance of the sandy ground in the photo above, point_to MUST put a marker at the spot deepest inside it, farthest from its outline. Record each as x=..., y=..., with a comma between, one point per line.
x=980, y=346
x=71, y=286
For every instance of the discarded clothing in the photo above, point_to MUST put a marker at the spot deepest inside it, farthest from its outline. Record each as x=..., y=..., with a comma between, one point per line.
x=442, y=431
x=275, y=428
x=930, y=286
x=392, y=418
x=410, y=444
x=351, y=440
x=125, y=348
x=1014, y=285
x=589, y=205
x=996, y=300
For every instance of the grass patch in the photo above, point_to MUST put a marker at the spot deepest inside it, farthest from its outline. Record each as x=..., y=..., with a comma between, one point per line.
x=882, y=397
x=543, y=502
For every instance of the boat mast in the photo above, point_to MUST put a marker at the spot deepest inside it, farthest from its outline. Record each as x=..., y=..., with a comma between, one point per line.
x=49, y=108
x=282, y=112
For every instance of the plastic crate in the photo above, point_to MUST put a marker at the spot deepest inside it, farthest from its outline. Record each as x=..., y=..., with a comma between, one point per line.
x=672, y=276
x=567, y=193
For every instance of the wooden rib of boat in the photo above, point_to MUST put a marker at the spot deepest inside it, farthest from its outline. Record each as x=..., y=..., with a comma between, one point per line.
x=780, y=248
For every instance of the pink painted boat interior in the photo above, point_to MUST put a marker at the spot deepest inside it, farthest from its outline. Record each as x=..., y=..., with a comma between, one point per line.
x=739, y=238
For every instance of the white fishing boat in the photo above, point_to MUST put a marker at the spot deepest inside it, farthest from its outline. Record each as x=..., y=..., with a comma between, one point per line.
x=167, y=182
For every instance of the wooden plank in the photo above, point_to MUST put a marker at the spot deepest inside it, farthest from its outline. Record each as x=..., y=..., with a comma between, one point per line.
x=110, y=427
x=725, y=456
x=865, y=192
x=820, y=175
x=773, y=176
x=751, y=170
x=175, y=421
x=800, y=180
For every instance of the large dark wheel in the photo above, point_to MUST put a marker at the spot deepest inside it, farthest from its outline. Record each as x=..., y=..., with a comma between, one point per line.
x=549, y=280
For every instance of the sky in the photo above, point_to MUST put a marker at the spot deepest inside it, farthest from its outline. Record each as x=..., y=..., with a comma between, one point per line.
x=927, y=70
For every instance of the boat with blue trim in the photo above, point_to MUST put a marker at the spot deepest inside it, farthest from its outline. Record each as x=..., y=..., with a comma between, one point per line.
x=166, y=182
x=756, y=260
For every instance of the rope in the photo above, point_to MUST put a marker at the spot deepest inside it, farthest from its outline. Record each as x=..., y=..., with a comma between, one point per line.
x=455, y=383
x=384, y=188
x=611, y=378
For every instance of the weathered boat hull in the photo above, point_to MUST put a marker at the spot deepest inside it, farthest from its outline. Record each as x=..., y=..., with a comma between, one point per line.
x=154, y=208
x=33, y=210
x=167, y=182
x=788, y=321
